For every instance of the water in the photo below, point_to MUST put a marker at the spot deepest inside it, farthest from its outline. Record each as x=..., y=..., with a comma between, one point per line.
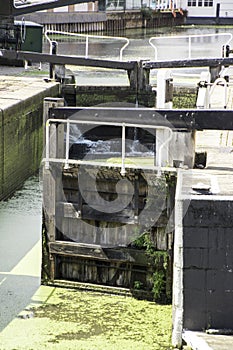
x=140, y=49
x=20, y=247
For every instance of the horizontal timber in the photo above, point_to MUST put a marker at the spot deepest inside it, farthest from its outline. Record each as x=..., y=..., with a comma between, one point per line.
x=191, y=119
x=96, y=252
x=62, y=59
x=195, y=62
x=77, y=249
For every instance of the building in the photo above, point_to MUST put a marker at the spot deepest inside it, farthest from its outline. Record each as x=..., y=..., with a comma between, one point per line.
x=84, y=7
x=208, y=11
x=114, y=5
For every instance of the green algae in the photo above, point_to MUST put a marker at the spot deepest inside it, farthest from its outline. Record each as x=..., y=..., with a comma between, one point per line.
x=85, y=320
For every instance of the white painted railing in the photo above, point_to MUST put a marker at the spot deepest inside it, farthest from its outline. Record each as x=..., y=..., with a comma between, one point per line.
x=87, y=38
x=219, y=81
x=67, y=161
x=190, y=38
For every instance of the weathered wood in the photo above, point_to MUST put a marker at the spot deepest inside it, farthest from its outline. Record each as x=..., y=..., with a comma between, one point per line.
x=50, y=176
x=96, y=252
x=124, y=216
x=77, y=249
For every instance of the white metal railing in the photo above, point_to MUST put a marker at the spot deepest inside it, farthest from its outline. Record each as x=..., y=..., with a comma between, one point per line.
x=218, y=81
x=190, y=38
x=87, y=41
x=67, y=162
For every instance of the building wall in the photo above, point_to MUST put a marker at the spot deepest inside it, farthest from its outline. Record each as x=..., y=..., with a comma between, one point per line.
x=207, y=8
x=84, y=7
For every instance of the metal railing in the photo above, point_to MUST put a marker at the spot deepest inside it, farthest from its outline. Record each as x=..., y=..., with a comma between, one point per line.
x=222, y=82
x=67, y=161
x=190, y=38
x=87, y=41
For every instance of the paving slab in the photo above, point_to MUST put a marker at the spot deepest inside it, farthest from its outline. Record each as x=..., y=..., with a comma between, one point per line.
x=16, y=85
x=203, y=341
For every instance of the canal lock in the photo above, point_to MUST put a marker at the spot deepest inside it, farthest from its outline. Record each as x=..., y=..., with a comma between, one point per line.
x=84, y=240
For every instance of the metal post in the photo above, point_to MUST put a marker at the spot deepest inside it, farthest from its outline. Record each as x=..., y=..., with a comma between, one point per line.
x=123, y=151
x=87, y=43
x=67, y=144
x=53, y=51
x=47, y=145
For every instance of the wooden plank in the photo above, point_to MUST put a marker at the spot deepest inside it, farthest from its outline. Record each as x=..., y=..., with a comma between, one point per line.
x=96, y=252
x=68, y=210
x=77, y=249
x=125, y=216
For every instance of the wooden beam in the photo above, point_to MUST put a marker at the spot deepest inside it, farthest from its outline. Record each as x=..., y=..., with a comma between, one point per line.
x=61, y=59
x=77, y=249
x=187, y=63
x=189, y=119
x=96, y=252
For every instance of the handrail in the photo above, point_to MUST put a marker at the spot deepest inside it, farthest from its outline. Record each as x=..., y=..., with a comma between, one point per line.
x=68, y=161
x=190, y=37
x=87, y=36
x=219, y=81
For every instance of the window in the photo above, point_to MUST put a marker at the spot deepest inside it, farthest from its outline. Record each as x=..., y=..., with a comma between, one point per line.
x=208, y=3
x=192, y=2
x=200, y=3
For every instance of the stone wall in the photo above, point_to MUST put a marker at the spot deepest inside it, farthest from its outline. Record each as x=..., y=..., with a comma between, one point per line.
x=21, y=139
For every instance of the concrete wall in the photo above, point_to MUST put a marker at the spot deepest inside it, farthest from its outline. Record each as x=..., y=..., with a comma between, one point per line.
x=21, y=138
x=203, y=253
x=208, y=264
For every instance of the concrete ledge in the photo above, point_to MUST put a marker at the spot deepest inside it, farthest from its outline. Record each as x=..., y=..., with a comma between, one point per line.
x=203, y=341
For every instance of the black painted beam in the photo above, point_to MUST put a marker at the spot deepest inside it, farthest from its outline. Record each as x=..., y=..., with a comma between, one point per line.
x=61, y=59
x=173, y=118
x=187, y=63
